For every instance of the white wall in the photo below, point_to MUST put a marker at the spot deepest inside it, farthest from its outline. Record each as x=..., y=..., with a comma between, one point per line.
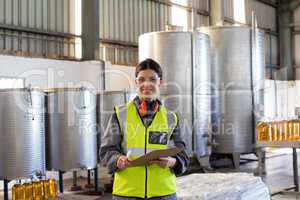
x=269, y=100
x=48, y=73
x=281, y=98
x=119, y=77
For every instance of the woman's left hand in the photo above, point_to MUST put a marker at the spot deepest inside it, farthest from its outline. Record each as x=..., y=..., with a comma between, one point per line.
x=166, y=162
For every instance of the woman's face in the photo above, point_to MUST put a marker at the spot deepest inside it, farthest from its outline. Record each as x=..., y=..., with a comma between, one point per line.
x=147, y=84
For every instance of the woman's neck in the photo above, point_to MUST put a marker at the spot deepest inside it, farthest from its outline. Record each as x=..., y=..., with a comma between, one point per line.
x=148, y=99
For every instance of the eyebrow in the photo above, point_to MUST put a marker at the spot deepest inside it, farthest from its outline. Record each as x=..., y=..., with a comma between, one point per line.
x=149, y=77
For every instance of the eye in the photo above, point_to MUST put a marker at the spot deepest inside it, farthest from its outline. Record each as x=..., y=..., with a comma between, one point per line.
x=140, y=80
x=153, y=79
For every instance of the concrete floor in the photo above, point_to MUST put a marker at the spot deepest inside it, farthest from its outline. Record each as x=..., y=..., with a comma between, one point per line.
x=279, y=176
x=279, y=171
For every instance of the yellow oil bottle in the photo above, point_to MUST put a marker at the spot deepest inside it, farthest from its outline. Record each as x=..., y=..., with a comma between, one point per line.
x=53, y=188
x=46, y=189
x=28, y=191
x=274, y=126
x=285, y=134
x=18, y=192
x=37, y=190
x=279, y=130
x=262, y=131
x=270, y=132
x=296, y=124
x=291, y=131
x=14, y=191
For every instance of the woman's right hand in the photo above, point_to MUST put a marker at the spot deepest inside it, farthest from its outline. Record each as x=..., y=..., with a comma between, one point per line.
x=122, y=162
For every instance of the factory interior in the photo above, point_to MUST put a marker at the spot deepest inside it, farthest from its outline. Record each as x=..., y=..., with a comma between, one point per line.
x=230, y=77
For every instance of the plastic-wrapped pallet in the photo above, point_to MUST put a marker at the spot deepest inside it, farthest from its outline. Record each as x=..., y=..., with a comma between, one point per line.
x=219, y=186
x=270, y=106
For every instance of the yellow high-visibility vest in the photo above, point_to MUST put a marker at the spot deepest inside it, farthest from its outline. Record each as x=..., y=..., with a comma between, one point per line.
x=151, y=180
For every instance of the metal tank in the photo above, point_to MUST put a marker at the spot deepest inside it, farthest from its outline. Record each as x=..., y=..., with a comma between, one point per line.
x=107, y=100
x=238, y=79
x=130, y=95
x=72, y=133
x=22, y=135
x=184, y=57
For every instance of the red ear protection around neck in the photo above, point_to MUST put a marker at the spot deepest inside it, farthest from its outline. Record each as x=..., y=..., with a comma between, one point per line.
x=143, y=107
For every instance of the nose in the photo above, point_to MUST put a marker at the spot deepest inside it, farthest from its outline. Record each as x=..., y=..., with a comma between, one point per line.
x=147, y=84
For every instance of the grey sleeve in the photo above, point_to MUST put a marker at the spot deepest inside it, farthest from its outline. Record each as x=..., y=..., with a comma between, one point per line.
x=110, y=148
x=182, y=158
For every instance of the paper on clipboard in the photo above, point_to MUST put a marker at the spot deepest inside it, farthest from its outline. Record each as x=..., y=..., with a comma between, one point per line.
x=153, y=155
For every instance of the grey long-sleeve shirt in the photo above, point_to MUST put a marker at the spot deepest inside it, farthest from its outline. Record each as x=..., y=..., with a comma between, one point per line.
x=111, y=141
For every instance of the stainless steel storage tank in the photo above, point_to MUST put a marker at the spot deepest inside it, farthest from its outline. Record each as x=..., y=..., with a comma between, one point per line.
x=107, y=100
x=72, y=133
x=238, y=78
x=22, y=135
x=184, y=57
x=233, y=121
x=130, y=95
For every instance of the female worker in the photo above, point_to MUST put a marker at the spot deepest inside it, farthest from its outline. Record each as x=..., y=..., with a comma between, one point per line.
x=140, y=126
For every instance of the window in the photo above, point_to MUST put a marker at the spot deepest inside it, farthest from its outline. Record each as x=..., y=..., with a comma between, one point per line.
x=239, y=11
x=78, y=41
x=181, y=2
x=179, y=17
x=7, y=82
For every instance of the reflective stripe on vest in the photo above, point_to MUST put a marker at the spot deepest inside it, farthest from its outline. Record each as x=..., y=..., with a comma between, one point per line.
x=151, y=180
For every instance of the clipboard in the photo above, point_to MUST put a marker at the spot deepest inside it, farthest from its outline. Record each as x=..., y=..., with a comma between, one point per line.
x=154, y=155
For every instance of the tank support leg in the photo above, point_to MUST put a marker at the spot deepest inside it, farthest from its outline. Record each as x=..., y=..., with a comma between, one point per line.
x=89, y=177
x=75, y=186
x=5, y=189
x=61, y=181
x=89, y=185
x=236, y=157
x=295, y=170
x=96, y=179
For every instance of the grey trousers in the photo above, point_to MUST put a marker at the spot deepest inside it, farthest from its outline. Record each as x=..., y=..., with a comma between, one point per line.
x=169, y=197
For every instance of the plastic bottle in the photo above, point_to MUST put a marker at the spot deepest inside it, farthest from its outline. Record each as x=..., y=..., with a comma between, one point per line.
x=262, y=131
x=291, y=131
x=46, y=189
x=296, y=130
x=18, y=192
x=279, y=124
x=28, y=191
x=53, y=188
x=285, y=134
x=37, y=190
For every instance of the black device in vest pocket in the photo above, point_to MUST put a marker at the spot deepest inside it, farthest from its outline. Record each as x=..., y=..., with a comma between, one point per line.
x=158, y=137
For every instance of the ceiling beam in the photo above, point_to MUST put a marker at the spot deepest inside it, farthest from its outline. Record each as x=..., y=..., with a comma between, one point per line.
x=268, y=2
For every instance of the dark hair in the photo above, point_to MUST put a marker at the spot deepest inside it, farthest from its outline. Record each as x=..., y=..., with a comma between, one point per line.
x=149, y=64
